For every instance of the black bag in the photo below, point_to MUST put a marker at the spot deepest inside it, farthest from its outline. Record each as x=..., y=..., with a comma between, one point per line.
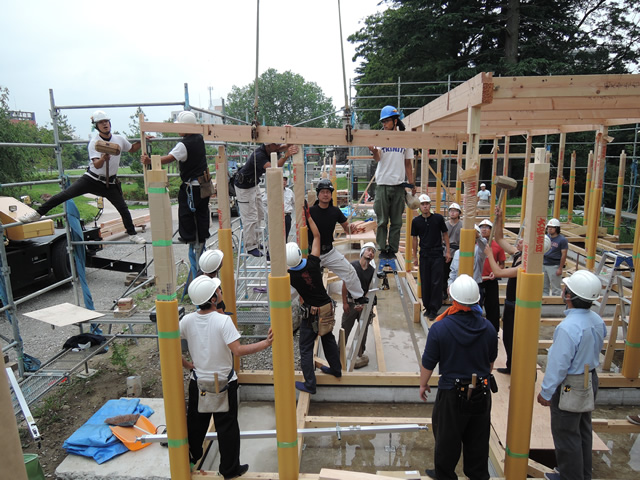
x=232, y=184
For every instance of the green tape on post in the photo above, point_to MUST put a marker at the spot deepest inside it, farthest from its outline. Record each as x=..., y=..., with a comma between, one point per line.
x=284, y=304
x=288, y=444
x=162, y=243
x=515, y=455
x=529, y=303
x=177, y=443
x=169, y=335
x=158, y=190
x=632, y=345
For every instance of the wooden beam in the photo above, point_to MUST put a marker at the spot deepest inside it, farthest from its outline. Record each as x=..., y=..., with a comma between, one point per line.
x=331, y=421
x=567, y=86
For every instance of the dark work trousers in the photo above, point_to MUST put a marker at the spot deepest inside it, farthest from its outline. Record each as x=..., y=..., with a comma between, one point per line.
x=188, y=220
x=86, y=184
x=445, y=276
x=349, y=319
x=431, y=278
x=492, y=302
x=573, y=438
x=329, y=346
x=455, y=431
x=508, y=316
x=287, y=226
x=226, y=426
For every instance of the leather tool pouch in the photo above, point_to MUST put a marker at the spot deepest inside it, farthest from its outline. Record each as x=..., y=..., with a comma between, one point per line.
x=326, y=319
x=574, y=397
x=206, y=185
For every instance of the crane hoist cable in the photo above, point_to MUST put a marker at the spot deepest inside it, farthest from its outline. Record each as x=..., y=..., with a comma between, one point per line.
x=347, y=109
x=254, y=124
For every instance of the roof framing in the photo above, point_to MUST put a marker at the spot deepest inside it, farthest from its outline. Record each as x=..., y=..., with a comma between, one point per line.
x=533, y=105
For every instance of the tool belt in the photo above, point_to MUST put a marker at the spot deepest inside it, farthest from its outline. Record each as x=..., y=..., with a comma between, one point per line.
x=574, y=396
x=210, y=399
x=478, y=401
x=206, y=185
x=113, y=179
x=322, y=318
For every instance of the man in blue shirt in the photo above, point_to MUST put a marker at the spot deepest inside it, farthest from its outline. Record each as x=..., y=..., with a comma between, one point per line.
x=554, y=259
x=464, y=344
x=577, y=341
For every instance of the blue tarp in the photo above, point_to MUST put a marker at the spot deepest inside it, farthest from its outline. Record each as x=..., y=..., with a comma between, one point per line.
x=94, y=439
x=73, y=217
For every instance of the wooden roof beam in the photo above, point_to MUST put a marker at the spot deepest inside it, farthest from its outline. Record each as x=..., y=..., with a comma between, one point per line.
x=567, y=86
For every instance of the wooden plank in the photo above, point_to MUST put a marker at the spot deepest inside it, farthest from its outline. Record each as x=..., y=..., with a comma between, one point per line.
x=375, y=324
x=608, y=425
x=314, y=421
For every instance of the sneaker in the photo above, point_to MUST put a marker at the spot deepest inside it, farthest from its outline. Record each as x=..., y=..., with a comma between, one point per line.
x=330, y=371
x=635, y=419
x=300, y=386
x=242, y=469
x=430, y=473
x=362, y=300
x=137, y=239
x=552, y=476
x=506, y=371
x=362, y=361
x=32, y=216
x=255, y=252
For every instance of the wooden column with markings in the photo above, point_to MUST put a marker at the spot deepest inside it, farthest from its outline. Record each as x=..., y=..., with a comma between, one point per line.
x=470, y=179
x=299, y=188
x=527, y=323
x=281, y=323
x=439, y=186
x=505, y=172
x=596, y=196
x=525, y=180
x=631, y=359
x=494, y=174
x=572, y=187
x=167, y=320
x=557, y=199
x=458, y=180
x=587, y=189
x=619, y=194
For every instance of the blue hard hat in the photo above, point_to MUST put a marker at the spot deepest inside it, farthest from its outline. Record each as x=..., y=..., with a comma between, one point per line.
x=389, y=111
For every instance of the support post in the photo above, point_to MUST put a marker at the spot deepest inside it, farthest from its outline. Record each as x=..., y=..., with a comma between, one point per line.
x=281, y=323
x=587, y=190
x=408, y=241
x=424, y=171
x=595, y=197
x=11, y=452
x=527, y=323
x=619, y=194
x=572, y=187
x=439, y=188
x=631, y=359
x=557, y=199
x=334, y=181
x=467, y=233
x=494, y=174
x=167, y=321
x=299, y=187
x=458, y=167
x=505, y=172
x=525, y=178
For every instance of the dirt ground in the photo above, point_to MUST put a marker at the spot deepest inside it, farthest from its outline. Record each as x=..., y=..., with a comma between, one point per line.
x=66, y=407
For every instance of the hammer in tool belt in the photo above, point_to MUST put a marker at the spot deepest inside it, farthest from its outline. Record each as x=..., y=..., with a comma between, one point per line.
x=504, y=183
x=472, y=385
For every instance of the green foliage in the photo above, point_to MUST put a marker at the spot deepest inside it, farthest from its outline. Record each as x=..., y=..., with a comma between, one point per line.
x=284, y=98
x=120, y=357
x=425, y=40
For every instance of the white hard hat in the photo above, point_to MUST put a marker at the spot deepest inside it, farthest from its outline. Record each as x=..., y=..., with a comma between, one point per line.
x=465, y=290
x=483, y=185
x=554, y=222
x=547, y=244
x=584, y=285
x=456, y=206
x=202, y=289
x=98, y=116
x=486, y=222
x=186, y=117
x=211, y=260
x=294, y=254
x=367, y=245
x=424, y=198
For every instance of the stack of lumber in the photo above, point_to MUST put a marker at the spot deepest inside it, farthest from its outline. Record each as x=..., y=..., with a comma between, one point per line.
x=115, y=227
x=361, y=226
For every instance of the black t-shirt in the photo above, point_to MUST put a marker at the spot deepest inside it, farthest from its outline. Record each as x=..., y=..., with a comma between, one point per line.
x=365, y=275
x=196, y=162
x=510, y=293
x=326, y=219
x=308, y=283
x=430, y=230
x=251, y=171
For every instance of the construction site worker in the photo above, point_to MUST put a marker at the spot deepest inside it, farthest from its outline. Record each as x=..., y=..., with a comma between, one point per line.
x=319, y=315
x=213, y=340
x=489, y=288
x=454, y=226
x=100, y=178
x=464, y=344
x=394, y=165
x=247, y=183
x=478, y=260
x=554, y=259
x=511, y=274
x=484, y=196
x=574, y=354
x=289, y=206
x=350, y=311
x=325, y=216
x=210, y=264
x=432, y=232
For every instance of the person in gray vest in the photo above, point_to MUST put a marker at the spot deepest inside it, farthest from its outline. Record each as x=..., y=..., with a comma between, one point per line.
x=454, y=225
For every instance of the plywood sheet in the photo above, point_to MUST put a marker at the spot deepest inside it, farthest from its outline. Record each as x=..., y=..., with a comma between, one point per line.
x=64, y=314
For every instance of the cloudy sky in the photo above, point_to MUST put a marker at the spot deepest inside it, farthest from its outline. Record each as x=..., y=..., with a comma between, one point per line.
x=118, y=52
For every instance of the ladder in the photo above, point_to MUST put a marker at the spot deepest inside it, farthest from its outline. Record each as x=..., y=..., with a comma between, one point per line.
x=615, y=271
x=252, y=279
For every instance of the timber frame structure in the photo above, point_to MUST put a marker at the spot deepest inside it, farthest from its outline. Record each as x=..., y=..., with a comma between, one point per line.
x=481, y=108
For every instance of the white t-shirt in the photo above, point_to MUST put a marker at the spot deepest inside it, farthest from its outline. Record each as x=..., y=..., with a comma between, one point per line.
x=484, y=195
x=289, y=201
x=208, y=337
x=390, y=169
x=114, y=160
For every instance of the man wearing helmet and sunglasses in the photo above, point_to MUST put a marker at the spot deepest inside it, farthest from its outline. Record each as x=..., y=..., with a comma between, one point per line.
x=100, y=178
x=574, y=355
x=394, y=165
x=554, y=259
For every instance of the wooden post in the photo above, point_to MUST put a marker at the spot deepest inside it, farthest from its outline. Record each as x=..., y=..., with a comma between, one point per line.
x=334, y=182
x=467, y=233
x=494, y=174
x=143, y=149
x=587, y=190
x=527, y=158
x=458, y=168
x=167, y=320
x=631, y=359
x=439, y=188
x=619, y=194
x=527, y=322
x=299, y=188
x=572, y=187
x=505, y=172
x=424, y=171
x=596, y=196
x=281, y=323
x=11, y=452
x=557, y=200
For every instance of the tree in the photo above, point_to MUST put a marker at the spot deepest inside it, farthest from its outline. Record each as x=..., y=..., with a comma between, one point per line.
x=283, y=99
x=427, y=40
